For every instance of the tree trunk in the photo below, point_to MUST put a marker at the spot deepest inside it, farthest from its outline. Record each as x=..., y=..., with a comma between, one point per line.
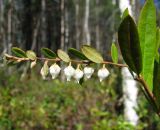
x=86, y=34
x=9, y=28
x=2, y=29
x=77, y=25
x=97, y=28
x=35, y=34
x=62, y=24
x=130, y=92
x=136, y=9
x=27, y=24
x=43, y=22
x=125, y=4
x=67, y=45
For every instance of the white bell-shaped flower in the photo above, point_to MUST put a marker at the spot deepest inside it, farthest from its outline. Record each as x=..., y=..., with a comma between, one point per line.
x=78, y=74
x=103, y=73
x=44, y=70
x=33, y=64
x=69, y=72
x=54, y=70
x=43, y=74
x=88, y=71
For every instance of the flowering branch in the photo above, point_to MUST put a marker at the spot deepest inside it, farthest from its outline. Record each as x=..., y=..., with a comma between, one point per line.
x=87, y=56
x=9, y=57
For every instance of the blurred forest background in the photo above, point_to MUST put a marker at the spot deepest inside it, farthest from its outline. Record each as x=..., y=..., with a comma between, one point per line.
x=29, y=103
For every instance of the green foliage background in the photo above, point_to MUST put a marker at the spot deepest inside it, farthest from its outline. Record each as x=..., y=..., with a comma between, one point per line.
x=34, y=104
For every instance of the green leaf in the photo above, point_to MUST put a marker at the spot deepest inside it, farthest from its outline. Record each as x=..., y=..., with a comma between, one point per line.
x=18, y=52
x=114, y=53
x=48, y=53
x=156, y=82
x=63, y=56
x=147, y=35
x=125, y=13
x=129, y=44
x=92, y=54
x=31, y=55
x=77, y=53
x=157, y=45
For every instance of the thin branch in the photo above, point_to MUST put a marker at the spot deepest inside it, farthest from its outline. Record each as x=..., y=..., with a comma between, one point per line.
x=149, y=93
x=58, y=59
x=146, y=87
x=48, y=59
x=111, y=63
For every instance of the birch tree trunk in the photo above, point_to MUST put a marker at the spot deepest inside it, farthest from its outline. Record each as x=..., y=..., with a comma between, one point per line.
x=125, y=4
x=130, y=90
x=86, y=34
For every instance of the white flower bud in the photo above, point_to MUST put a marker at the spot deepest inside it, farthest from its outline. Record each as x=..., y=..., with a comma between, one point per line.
x=54, y=70
x=44, y=70
x=33, y=64
x=78, y=74
x=88, y=71
x=42, y=73
x=103, y=73
x=69, y=72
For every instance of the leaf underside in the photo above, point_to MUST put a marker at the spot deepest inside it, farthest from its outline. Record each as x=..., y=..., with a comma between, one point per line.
x=31, y=55
x=92, y=54
x=63, y=56
x=147, y=34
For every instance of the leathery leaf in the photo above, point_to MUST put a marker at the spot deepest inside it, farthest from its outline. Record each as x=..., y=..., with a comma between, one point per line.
x=129, y=44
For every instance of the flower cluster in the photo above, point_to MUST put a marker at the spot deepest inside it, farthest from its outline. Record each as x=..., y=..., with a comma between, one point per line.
x=77, y=73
